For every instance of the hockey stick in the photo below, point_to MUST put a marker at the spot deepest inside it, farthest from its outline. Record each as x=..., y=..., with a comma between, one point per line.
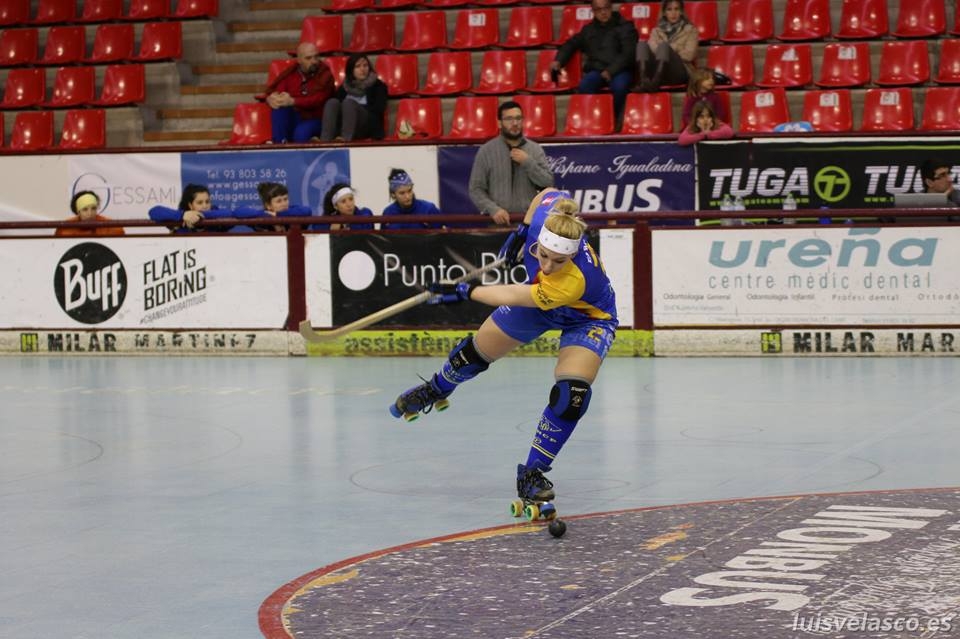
x=306, y=330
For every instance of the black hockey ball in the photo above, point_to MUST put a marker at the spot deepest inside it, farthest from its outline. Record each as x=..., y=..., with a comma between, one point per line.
x=557, y=527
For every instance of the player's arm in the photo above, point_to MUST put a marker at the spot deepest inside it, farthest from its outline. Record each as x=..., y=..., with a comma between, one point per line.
x=496, y=295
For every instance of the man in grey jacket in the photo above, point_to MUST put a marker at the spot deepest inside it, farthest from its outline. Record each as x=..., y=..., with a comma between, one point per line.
x=609, y=44
x=509, y=170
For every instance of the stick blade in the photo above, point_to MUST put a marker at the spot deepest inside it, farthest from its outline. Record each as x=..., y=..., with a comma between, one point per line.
x=306, y=330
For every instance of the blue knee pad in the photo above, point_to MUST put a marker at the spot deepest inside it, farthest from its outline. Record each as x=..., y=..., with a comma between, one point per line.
x=464, y=362
x=569, y=399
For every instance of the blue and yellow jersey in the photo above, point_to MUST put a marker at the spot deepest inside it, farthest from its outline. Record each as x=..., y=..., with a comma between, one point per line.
x=580, y=288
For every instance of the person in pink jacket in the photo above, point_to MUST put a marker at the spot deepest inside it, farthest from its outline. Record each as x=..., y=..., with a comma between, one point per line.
x=704, y=125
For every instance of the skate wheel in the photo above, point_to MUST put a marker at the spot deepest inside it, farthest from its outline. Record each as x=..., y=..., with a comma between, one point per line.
x=531, y=512
x=396, y=412
x=548, y=512
x=441, y=404
x=411, y=417
x=516, y=508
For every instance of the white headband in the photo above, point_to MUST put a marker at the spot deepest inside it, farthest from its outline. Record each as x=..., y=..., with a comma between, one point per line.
x=342, y=193
x=556, y=243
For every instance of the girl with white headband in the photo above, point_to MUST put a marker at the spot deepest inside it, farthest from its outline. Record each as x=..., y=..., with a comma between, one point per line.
x=341, y=199
x=566, y=289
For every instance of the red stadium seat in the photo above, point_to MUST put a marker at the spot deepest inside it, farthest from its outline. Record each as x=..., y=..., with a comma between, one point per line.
x=32, y=131
x=920, y=19
x=704, y=15
x=648, y=114
x=941, y=109
x=529, y=27
x=806, y=20
x=18, y=46
x=349, y=6
x=160, y=41
x=326, y=32
x=644, y=15
x=502, y=71
x=101, y=10
x=448, y=72
x=444, y=4
x=749, y=21
x=390, y=5
x=904, y=63
x=589, y=115
x=828, y=110
x=84, y=129
x=539, y=115
x=123, y=84
x=787, y=66
x=888, y=110
x=497, y=3
x=196, y=9
x=142, y=10
x=251, y=124
x=55, y=12
x=735, y=61
x=475, y=117
x=955, y=29
x=761, y=111
x=14, y=12
x=424, y=30
x=542, y=81
x=948, y=70
x=423, y=117
x=573, y=17
x=65, y=45
x=25, y=88
x=112, y=43
x=72, y=87
x=476, y=29
x=338, y=67
x=860, y=19
x=373, y=32
x=1, y=132
x=845, y=64
x=400, y=73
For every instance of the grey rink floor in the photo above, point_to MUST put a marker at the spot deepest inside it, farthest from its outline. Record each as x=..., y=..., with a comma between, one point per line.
x=168, y=497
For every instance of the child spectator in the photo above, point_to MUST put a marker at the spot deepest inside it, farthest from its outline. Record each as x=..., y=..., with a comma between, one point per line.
x=704, y=125
x=701, y=89
x=405, y=202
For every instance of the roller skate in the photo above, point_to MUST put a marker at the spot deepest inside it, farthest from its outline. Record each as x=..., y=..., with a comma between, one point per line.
x=536, y=494
x=420, y=399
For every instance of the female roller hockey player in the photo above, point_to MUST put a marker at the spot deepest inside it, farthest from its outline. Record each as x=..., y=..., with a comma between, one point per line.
x=566, y=289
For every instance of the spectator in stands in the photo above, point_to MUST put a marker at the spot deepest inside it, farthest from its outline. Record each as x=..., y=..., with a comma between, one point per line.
x=509, y=170
x=275, y=198
x=356, y=111
x=297, y=97
x=86, y=206
x=937, y=178
x=405, y=202
x=341, y=199
x=701, y=89
x=704, y=125
x=608, y=43
x=194, y=206
x=670, y=53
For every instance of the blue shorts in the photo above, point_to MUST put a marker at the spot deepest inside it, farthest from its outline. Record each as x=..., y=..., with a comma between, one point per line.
x=525, y=324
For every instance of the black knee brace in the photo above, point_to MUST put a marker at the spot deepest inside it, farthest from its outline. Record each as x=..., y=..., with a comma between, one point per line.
x=569, y=398
x=466, y=361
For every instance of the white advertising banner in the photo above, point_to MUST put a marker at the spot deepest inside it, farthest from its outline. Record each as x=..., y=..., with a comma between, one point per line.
x=319, y=290
x=145, y=284
x=809, y=276
x=128, y=184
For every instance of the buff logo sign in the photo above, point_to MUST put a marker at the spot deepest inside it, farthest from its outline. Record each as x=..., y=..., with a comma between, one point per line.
x=90, y=283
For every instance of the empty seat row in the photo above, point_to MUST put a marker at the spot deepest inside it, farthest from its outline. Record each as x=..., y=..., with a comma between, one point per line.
x=533, y=26
x=17, y=12
x=34, y=130
x=111, y=43
x=848, y=64
x=123, y=84
x=475, y=117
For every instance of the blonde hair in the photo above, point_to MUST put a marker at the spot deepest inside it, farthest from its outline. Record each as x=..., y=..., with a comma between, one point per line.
x=697, y=76
x=564, y=221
